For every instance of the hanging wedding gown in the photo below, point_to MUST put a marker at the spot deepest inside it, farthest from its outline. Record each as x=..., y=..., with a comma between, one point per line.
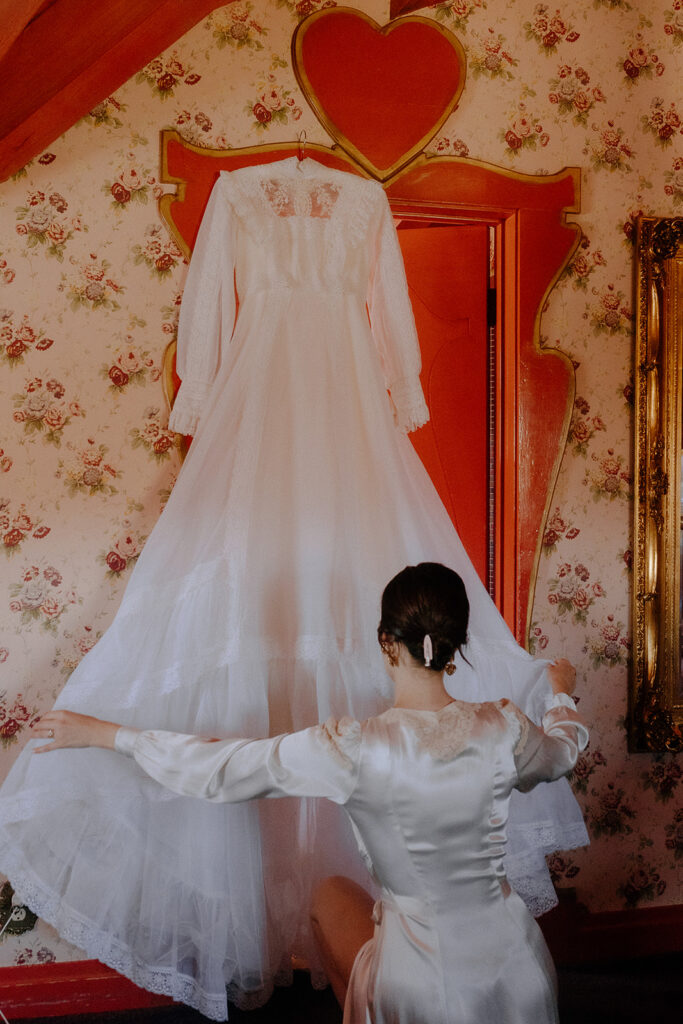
x=252, y=609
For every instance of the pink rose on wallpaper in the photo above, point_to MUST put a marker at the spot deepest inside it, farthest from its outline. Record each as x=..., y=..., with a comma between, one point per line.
x=548, y=29
x=129, y=361
x=131, y=365
x=524, y=132
x=115, y=562
x=561, y=866
x=154, y=436
x=662, y=122
x=538, y=640
x=120, y=193
x=644, y=883
x=51, y=608
x=85, y=471
x=15, y=349
x=117, y=376
x=126, y=547
x=124, y=550
x=164, y=262
x=674, y=181
x=92, y=288
x=261, y=113
x=163, y=444
x=580, y=432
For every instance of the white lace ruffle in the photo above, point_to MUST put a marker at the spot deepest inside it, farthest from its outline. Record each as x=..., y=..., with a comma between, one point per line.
x=409, y=402
x=187, y=408
x=104, y=947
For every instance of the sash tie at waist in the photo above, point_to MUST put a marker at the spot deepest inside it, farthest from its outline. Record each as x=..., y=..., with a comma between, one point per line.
x=413, y=916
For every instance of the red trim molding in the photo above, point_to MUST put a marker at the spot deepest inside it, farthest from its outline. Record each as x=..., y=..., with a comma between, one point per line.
x=62, y=989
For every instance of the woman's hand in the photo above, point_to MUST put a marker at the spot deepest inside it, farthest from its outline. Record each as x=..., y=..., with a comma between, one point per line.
x=562, y=676
x=68, y=729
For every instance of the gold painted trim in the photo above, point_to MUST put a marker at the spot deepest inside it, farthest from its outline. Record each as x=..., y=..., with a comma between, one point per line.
x=307, y=88
x=655, y=720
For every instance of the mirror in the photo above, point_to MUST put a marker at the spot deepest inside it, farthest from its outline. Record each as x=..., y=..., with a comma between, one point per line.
x=656, y=691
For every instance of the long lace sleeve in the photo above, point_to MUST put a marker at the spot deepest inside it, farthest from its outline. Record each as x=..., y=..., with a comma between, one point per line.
x=393, y=326
x=207, y=312
x=549, y=752
x=321, y=761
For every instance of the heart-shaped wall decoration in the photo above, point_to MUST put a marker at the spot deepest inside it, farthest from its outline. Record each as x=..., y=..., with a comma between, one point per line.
x=382, y=92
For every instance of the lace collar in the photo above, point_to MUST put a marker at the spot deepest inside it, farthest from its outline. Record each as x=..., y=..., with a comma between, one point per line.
x=444, y=733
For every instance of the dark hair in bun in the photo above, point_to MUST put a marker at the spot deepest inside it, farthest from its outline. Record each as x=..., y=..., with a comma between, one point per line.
x=426, y=598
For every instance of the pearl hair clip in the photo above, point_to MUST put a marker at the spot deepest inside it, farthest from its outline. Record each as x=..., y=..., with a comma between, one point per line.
x=427, y=650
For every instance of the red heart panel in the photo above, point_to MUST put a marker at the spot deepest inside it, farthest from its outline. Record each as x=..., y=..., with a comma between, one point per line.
x=382, y=92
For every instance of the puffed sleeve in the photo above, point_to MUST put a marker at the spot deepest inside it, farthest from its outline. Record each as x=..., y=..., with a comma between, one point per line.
x=207, y=312
x=393, y=324
x=320, y=761
x=550, y=751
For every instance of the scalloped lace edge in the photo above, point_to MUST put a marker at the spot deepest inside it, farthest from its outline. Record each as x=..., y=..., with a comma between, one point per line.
x=115, y=954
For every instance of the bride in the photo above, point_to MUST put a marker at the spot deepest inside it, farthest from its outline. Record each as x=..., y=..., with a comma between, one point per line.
x=427, y=786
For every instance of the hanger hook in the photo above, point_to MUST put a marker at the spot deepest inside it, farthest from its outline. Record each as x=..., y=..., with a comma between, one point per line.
x=302, y=144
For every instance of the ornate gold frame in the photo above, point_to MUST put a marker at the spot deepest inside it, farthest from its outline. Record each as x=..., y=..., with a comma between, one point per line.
x=656, y=692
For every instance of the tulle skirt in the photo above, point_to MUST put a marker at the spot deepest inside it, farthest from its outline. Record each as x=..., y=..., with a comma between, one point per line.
x=252, y=611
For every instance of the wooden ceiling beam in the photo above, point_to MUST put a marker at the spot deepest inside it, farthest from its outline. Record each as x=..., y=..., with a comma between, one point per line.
x=74, y=54
x=15, y=15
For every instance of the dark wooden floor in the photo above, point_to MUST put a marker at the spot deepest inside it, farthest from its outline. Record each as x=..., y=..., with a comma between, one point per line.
x=648, y=991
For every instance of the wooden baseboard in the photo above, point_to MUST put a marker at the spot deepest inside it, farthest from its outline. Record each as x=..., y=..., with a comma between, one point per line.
x=57, y=990
x=576, y=936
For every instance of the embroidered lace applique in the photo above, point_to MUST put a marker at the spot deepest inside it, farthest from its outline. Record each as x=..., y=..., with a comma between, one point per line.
x=445, y=733
x=301, y=198
x=341, y=736
x=518, y=720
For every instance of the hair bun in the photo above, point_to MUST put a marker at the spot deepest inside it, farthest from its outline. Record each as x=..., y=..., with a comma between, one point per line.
x=425, y=607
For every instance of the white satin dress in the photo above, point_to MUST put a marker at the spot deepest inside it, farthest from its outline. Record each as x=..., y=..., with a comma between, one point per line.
x=427, y=794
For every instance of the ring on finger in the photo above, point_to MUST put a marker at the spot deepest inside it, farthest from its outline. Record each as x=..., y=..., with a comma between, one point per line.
x=51, y=734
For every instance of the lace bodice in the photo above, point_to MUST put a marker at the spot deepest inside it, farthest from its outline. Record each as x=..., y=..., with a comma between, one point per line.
x=282, y=232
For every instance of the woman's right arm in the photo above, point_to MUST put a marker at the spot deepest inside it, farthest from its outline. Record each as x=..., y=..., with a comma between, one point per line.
x=320, y=761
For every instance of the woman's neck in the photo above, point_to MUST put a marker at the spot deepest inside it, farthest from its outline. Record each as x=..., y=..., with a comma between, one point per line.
x=420, y=689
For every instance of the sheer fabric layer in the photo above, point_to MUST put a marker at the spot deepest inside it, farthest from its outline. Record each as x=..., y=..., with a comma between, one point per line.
x=252, y=609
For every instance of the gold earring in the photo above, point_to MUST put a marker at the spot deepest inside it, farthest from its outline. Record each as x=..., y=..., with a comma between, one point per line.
x=389, y=649
x=450, y=668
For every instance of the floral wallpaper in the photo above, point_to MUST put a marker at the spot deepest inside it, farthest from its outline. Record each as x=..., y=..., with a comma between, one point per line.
x=90, y=286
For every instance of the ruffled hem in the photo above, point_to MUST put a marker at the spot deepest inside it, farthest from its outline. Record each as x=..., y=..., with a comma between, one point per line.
x=99, y=944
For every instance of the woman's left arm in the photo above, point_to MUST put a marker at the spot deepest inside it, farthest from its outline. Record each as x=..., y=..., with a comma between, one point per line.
x=550, y=751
